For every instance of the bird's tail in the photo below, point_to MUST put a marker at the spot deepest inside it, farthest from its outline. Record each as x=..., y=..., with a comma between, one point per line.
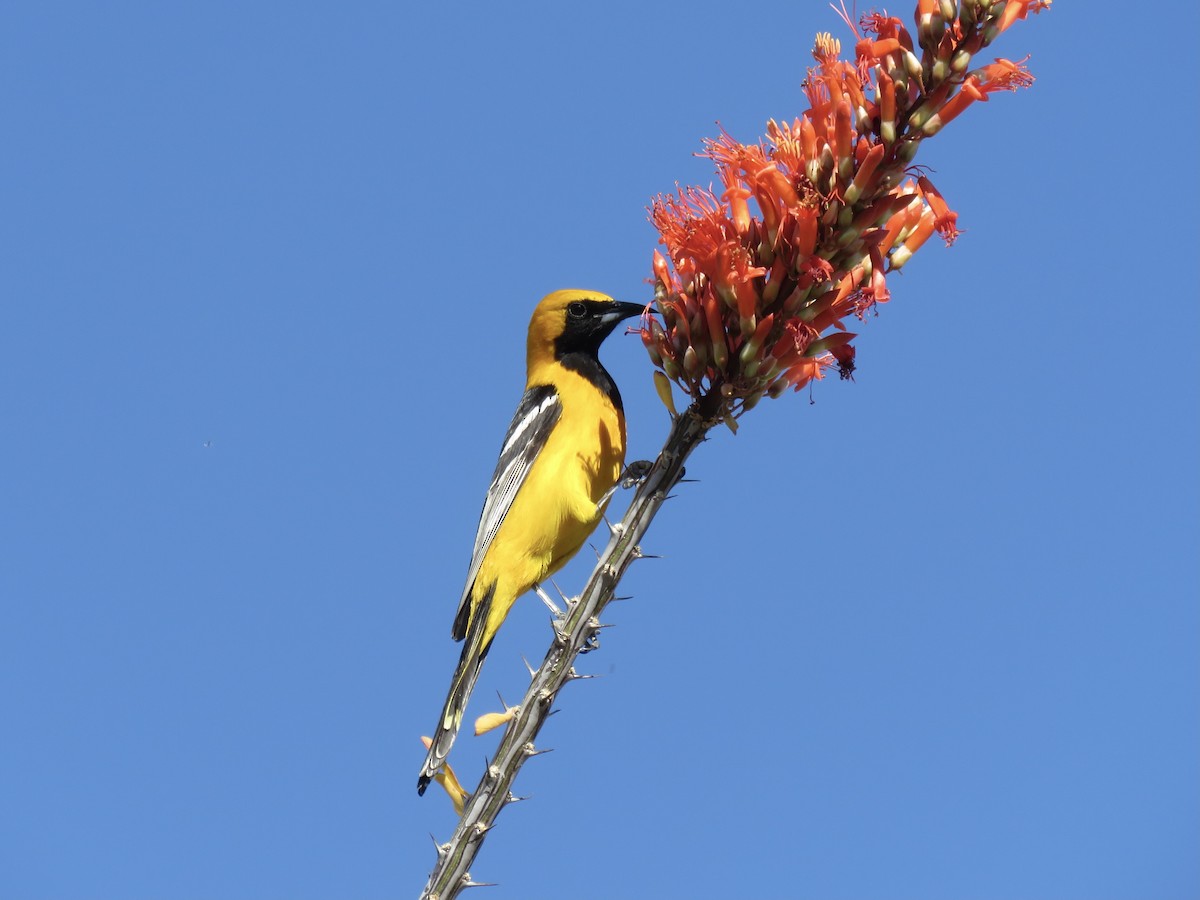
x=469, y=662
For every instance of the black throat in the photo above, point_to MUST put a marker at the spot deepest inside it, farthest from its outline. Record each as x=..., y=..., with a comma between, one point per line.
x=588, y=365
x=578, y=346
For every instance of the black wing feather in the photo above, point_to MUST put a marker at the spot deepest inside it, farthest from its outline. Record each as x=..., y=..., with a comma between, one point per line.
x=532, y=423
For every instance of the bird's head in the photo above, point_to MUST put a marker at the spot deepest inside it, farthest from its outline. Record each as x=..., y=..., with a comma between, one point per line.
x=575, y=321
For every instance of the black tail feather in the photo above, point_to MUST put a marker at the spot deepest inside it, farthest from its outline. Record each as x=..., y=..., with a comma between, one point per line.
x=465, y=674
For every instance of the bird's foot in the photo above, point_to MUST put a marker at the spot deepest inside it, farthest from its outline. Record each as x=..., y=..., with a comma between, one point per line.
x=635, y=473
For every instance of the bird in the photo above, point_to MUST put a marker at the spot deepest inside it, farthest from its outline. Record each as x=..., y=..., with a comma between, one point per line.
x=559, y=461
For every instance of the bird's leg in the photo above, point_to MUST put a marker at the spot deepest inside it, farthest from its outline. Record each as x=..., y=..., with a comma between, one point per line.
x=554, y=610
x=635, y=473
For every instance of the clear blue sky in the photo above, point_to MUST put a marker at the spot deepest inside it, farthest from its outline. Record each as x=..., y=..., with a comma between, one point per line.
x=266, y=270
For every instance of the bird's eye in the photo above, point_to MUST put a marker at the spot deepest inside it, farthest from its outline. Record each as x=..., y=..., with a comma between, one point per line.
x=576, y=310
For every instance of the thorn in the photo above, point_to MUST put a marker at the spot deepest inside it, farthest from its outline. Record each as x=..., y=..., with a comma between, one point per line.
x=513, y=798
x=478, y=831
x=561, y=594
x=626, y=597
x=572, y=675
x=688, y=481
x=554, y=610
x=592, y=641
x=532, y=670
x=594, y=550
x=442, y=849
x=470, y=884
x=529, y=750
x=638, y=554
x=617, y=529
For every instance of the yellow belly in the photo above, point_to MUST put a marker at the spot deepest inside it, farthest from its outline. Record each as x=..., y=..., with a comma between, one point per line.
x=554, y=511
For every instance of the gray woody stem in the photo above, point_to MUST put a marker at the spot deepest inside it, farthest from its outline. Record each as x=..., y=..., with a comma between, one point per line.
x=450, y=875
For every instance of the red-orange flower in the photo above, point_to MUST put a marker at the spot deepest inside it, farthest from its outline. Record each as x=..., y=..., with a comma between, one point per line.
x=811, y=220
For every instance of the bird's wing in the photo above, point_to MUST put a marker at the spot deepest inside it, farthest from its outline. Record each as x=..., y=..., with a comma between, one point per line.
x=535, y=418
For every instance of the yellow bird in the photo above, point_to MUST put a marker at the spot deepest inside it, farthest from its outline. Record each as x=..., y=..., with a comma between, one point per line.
x=563, y=452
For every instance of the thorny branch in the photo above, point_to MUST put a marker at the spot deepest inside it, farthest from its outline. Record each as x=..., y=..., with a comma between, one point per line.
x=573, y=633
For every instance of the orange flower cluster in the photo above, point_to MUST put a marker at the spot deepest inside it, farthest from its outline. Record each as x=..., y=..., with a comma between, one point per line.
x=753, y=298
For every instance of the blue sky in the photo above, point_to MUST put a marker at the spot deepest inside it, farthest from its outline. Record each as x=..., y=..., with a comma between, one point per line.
x=267, y=270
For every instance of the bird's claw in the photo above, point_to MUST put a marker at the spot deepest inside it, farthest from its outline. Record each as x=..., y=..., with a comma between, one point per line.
x=635, y=473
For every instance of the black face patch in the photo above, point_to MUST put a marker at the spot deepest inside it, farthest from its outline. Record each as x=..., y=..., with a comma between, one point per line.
x=584, y=327
x=586, y=324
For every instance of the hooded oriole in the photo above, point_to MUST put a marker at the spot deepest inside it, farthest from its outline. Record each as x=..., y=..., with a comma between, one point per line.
x=563, y=452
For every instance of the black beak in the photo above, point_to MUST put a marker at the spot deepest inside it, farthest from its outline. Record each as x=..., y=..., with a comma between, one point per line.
x=619, y=311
